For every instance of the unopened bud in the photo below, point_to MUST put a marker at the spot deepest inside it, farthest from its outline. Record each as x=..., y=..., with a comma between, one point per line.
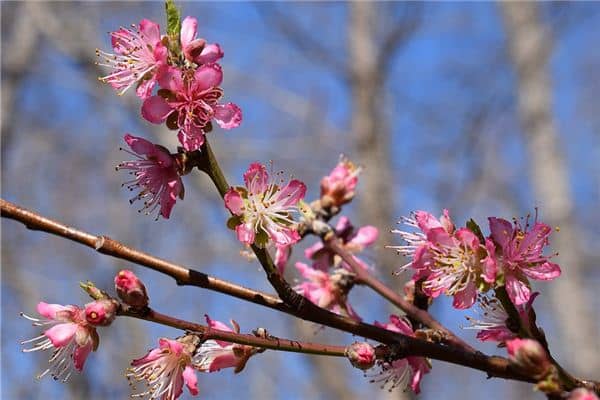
x=528, y=355
x=361, y=355
x=337, y=188
x=130, y=289
x=582, y=394
x=93, y=291
x=101, y=312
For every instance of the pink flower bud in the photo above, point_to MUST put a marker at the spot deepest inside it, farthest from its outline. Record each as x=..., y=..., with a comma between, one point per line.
x=130, y=289
x=338, y=187
x=582, y=394
x=528, y=355
x=361, y=355
x=101, y=312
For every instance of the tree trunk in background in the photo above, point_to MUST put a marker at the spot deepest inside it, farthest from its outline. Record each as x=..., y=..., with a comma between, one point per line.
x=372, y=140
x=369, y=131
x=529, y=46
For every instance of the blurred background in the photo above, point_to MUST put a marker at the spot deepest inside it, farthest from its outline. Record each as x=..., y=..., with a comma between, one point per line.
x=481, y=108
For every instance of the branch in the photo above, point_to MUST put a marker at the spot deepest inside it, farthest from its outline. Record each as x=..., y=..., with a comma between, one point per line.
x=267, y=342
x=409, y=308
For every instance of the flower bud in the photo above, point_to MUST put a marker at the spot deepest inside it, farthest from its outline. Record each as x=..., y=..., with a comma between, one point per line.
x=93, y=291
x=528, y=355
x=337, y=188
x=101, y=312
x=361, y=355
x=130, y=289
x=582, y=394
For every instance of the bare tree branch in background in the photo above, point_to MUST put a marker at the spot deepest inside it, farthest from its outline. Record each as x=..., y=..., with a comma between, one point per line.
x=529, y=46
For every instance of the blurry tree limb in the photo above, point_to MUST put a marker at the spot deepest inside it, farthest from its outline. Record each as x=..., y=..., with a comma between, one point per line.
x=529, y=46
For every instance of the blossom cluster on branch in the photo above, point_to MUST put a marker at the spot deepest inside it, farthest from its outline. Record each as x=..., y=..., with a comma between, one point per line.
x=178, y=79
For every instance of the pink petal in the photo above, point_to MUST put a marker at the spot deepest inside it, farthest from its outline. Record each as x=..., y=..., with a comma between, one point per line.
x=189, y=26
x=191, y=380
x=256, y=178
x=170, y=78
x=446, y=221
x=144, y=89
x=245, y=233
x=490, y=267
x=60, y=335
x=467, y=238
x=465, y=298
x=401, y=325
x=426, y=221
x=49, y=310
x=139, y=145
x=517, y=290
x=233, y=201
x=168, y=197
x=292, y=193
x=501, y=231
x=210, y=54
x=150, y=31
x=545, y=271
x=152, y=355
x=343, y=224
x=312, y=250
x=208, y=76
x=439, y=236
x=156, y=110
x=224, y=360
x=365, y=236
x=282, y=236
x=80, y=355
x=228, y=116
x=172, y=345
x=310, y=273
x=282, y=253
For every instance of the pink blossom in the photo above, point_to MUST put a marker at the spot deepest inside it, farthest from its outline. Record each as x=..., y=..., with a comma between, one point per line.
x=528, y=355
x=195, y=49
x=190, y=101
x=405, y=371
x=361, y=355
x=519, y=255
x=214, y=355
x=582, y=394
x=262, y=210
x=156, y=173
x=166, y=369
x=326, y=291
x=130, y=289
x=69, y=335
x=138, y=56
x=339, y=185
x=101, y=312
x=353, y=241
x=282, y=254
x=449, y=261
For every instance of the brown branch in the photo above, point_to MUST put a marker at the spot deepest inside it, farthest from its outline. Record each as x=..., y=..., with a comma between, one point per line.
x=267, y=342
x=364, y=277
x=403, y=345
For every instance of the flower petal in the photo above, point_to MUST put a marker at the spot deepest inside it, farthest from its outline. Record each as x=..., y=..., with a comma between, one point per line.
x=517, y=290
x=233, y=201
x=208, y=76
x=80, y=355
x=156, y=110
x=189, y=26
x=191, y=380
x=60, y=335
x=150, y=31
x=545, y=271
x=228, y=116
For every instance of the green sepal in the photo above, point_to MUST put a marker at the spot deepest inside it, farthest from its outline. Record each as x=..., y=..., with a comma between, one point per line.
x=473, y=227
x=261, y=239
x=173, y=20
x=234, y=221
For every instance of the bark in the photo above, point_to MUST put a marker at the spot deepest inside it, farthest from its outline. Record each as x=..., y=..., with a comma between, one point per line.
x=529, y=48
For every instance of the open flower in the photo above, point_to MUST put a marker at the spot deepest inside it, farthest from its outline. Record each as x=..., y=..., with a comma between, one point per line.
x=263, y=209
x=156, y=173
x=353, y=241
x=195, y=49
x=403, y=372
x=189, y=101
x=69, y=335
x=327, y=291
x=166, y=369
x=519, y=255
x=138, y=56
x=214, y=355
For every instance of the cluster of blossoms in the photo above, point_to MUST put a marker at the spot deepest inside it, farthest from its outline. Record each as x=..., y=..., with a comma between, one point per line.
x=187, y=77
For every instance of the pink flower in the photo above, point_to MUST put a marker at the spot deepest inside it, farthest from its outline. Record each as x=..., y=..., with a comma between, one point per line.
x=101, y=312
x=405, y=371
x=327, y=291
x=519, y=255
x=189, y=101
x=339, y=185
x=528, y=355
x=449, y=261
x=263, y=209
x=70, y=337
x=156, y=173
x=361, y=355
x=196, y=50
x=582, y=394
x=130, y=289
x=353, y=241
x=214, y=355
x=138, y=56
x=166, y=369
